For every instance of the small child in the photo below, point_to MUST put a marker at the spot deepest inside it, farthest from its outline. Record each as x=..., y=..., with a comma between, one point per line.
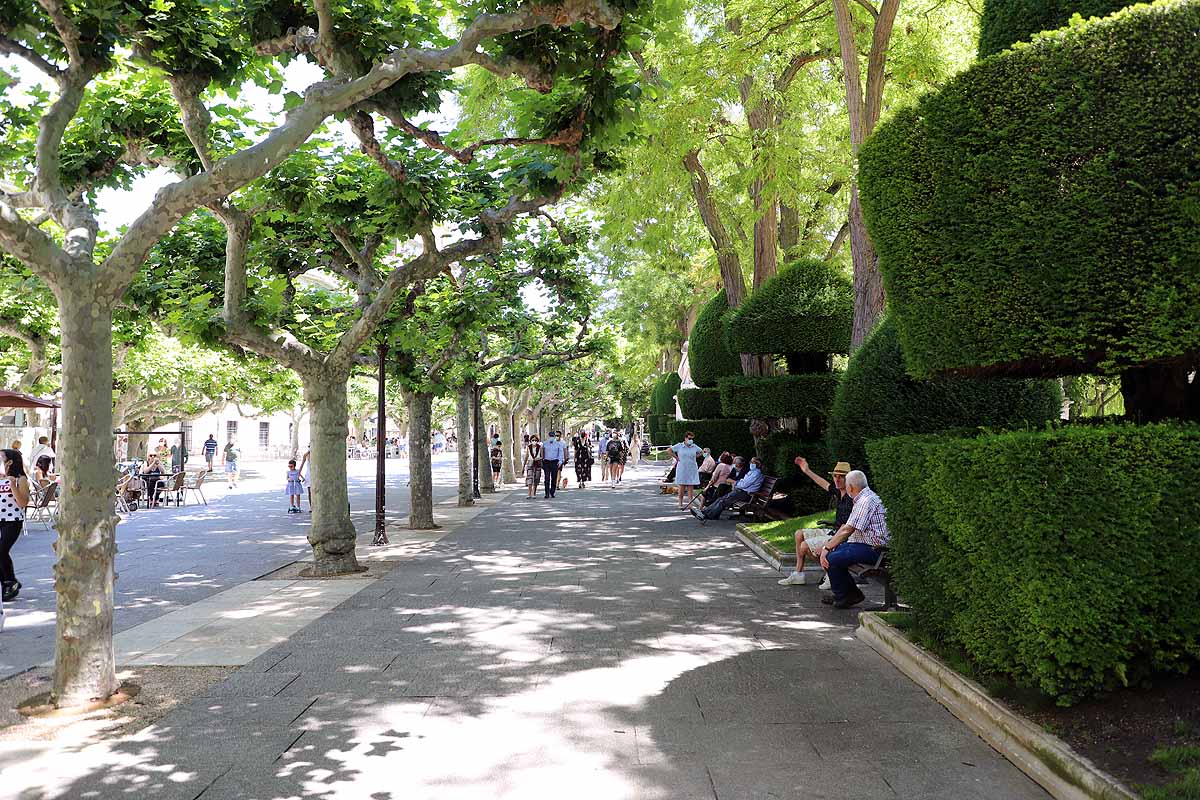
x=294, y=488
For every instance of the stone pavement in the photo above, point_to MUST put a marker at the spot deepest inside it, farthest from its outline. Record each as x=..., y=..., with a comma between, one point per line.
x=599, y=645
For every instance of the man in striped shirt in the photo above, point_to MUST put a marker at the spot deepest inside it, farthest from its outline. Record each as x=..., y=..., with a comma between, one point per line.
x=210, y=450
x=857, y=542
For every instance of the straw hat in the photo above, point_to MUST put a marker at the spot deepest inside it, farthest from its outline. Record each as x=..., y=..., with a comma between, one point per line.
x=841, y=468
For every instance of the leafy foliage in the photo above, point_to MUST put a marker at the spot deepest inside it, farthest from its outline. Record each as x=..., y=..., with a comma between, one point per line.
x=1006, y=22
x=779, y=451
x=877, y=398
x=807, y=308
x=1039, y=214
x=779, y=396
x=1003, y=546
x=709, y=358
x=662, y=398
x=717, y=434
x=700, y=403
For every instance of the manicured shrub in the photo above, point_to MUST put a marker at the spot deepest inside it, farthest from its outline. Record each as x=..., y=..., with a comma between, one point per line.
x=1006, y=22
x=658, y=427
x=779, y=451
x=662, y=396
x=700, y=403
x=717, y=434
x=1040, y=215
x=877, y=398
x=709, y=358
x=1064, y=559
x=779, y=396
x=808, y=307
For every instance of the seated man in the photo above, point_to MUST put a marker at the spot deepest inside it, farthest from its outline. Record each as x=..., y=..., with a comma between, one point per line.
x=857, y=542
x=809, y=541
x=750, y=483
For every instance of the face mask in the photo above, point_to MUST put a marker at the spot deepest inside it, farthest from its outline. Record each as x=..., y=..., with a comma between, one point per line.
x=689, y=441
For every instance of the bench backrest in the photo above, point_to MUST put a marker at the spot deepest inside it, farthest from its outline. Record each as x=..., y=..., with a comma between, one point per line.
x=767, y=488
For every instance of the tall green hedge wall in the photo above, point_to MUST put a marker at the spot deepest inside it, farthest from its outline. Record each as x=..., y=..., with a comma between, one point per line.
x=1041, y=213
x=717, y=434
x=779, y=451
x=662, y=396
x=779, y=396
x=877, y=398
x=808, y=307
x=709, y=357
x=1006, y=22
x=658, y=426
x=700, y=403
x=1065, y=559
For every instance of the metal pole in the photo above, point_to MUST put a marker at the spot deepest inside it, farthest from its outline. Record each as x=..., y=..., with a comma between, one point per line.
x=476, y=419
x=381, y=454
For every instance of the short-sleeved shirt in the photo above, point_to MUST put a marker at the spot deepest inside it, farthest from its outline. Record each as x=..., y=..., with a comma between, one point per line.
x=869, y=520
x=232, y=453
x=10, y=510
x=686, y=471
x=843, y=502
x=210, y=448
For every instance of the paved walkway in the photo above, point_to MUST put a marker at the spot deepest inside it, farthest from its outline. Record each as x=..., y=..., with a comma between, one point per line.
x=600, y=645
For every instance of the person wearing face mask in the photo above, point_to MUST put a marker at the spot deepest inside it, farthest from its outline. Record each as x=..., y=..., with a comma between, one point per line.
x=554, y=453
x=532, y=465
x=747, y=485
x=687, y=472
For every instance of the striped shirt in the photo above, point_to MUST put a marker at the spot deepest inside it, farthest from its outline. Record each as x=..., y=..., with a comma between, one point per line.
x=869, y=520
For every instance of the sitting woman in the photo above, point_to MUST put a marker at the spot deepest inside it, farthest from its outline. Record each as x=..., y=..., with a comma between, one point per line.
x=719, y=482
x=42, y=476
x=707, y=466
x=150, y=473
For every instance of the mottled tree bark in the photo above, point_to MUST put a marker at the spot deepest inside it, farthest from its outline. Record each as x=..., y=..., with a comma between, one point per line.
x=420, y=462
x=85, y=665
x=466, y=490
x=483, y=450
x=332, y=534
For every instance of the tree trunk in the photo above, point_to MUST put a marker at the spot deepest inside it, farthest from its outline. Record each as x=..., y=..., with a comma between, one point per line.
x=1156, y=392
x=507, y=424
x=332, y=534
x=466, y=492
x=789, y=230
x=420, y=461
x=483, y=456
x=139, y=443
x=727, y=255
x=84, y=660
x=868, y=284
x=296, y=414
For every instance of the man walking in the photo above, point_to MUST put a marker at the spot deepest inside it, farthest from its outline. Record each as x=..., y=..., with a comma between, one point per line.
x=210, y=450
x=602, y=451
x=231, y=455
x=554, y=453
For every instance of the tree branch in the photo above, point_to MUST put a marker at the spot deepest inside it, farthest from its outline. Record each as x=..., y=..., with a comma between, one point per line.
x=67, y=32
x=195, y=116
x=10, y=48
x=838, y=241
x=38, y=363
x=31, y=246
x=363, y=127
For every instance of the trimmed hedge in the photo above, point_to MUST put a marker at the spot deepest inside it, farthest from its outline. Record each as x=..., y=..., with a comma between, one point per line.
x=662, y=396
x=1006, y=22
x=779, y=450
x=877, y=398
x=709, y=358
x=716, y=434
x=1040, y=215
x=779, y=396
x=808, y=307
x=700, y=403
x=1065, y=559
x=657, y=427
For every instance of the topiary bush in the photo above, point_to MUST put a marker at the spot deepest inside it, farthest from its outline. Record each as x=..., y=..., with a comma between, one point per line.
x=700, y=403
x=658, y=427
x=1040, y=215
x=779, y=451
x=1006, y=22
x=808, y=307
x=716, y=434
x=876, y=398
x=779, y=396
x=709, y=358
x=662, y=396
x=1064, y=559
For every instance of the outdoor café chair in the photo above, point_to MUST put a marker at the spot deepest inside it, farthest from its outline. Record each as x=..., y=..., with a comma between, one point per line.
x=194, y=485
x=41, y=509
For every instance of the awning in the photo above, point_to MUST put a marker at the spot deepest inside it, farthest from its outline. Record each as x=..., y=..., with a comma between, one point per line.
x=17, y=400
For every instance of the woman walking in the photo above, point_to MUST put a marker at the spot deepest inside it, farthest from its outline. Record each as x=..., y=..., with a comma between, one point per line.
x=532, y=465
x=583, y=460
x=14, y=496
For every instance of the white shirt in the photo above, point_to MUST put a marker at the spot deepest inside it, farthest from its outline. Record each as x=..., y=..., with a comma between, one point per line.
x=40, y=450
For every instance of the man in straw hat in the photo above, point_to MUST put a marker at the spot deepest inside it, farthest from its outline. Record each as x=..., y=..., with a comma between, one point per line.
x=809, y=541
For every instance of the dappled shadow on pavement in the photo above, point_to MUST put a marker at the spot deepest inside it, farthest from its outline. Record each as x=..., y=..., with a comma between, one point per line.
x=599, y=645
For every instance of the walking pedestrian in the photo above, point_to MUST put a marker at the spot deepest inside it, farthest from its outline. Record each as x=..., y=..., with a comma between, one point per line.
x=687, y=472
x=602, y=450
x=496, y=455
x=583, y=460
x=14, y=497
x=616, y=459
x=294, y=487
x=554, y=453
x=210, y=450
x=230, y=459
x=532, y=465
x=306, y=474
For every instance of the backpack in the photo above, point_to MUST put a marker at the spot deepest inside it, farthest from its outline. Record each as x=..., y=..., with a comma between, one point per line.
x=614, y=448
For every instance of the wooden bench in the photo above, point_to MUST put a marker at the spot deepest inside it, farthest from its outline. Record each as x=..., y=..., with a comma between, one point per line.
x=756, y=505
x=880, y=573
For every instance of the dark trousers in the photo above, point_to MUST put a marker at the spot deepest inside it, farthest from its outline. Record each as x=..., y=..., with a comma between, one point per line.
x=550, y=468
x=715, y=510
x=840, y=559
x=10, y=529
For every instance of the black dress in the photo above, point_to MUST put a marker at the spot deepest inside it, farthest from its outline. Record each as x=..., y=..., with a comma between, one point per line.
x=583, y=462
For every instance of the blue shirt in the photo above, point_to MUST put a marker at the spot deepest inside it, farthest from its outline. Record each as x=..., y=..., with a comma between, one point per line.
x=554, y=451
x=752, y=482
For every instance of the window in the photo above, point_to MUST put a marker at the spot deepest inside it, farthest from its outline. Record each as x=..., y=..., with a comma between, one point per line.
x=186, y=427
x=264, y=434
x=230, y=428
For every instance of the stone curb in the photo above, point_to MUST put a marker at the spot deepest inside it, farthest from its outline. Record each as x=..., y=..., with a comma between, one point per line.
x=1045, y=758
x=762, y=549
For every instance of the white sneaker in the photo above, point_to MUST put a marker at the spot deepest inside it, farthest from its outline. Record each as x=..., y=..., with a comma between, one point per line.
x=825, y=584
x=795, y=579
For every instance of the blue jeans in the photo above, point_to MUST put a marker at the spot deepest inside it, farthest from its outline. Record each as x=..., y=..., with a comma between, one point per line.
x=848, y=553
x=715, y=510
